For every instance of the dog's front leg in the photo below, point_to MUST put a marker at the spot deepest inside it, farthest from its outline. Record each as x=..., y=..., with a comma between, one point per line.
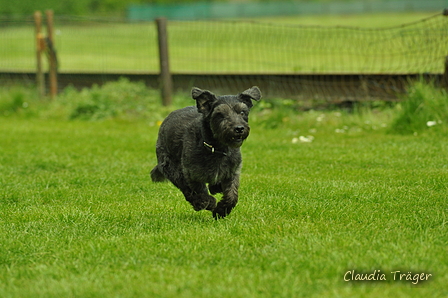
x=229, y=199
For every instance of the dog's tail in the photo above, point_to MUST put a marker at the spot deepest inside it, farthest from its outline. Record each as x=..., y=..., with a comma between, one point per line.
x=156, y=175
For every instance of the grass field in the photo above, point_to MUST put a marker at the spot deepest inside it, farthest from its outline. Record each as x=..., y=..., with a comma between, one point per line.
x=267, y=45
x=79, y=216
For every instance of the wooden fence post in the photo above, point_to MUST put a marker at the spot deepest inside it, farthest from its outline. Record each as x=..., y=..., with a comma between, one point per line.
x=165, y=75
x=40, y=46
x=445, y=74
x=52, y=58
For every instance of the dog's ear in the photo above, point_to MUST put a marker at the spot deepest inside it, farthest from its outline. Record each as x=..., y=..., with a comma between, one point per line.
x=204, y=99
x=250, y=94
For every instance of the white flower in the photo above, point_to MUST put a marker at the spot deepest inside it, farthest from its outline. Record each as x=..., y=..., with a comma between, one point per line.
x=307, y=139
x=431, y=123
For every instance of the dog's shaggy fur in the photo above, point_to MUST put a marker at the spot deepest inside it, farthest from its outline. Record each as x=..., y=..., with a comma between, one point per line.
x=201, y=145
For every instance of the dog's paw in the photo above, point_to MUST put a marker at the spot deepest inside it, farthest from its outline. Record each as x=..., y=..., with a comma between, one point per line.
x=222, y=210
x=205, y=202
x=211, y=203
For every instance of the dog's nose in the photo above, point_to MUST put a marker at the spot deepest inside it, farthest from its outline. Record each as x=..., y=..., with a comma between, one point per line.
x=239, y=129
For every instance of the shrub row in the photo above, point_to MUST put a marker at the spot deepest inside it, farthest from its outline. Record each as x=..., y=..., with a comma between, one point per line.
x=424, y=108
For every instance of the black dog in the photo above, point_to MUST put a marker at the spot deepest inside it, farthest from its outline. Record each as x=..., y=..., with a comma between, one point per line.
x=199, y=145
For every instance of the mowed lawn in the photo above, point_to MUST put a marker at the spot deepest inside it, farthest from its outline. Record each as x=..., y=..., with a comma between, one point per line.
x=79, y=216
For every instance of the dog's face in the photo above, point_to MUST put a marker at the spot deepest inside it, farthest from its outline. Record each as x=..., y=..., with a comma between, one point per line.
x=228, y=115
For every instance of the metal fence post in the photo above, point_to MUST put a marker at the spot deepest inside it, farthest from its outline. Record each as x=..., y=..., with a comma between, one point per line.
x=166, y=83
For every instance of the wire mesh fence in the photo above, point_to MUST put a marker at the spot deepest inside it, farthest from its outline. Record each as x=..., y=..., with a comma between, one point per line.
x=251, y=47
x=311, y=61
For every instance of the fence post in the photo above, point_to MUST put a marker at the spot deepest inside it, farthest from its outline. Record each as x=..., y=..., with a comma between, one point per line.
x=52, y=58
x=40, y=79
x=445, y=74
x=165, y=75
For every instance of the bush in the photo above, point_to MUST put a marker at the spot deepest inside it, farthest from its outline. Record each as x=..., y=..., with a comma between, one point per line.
x=16, y=100
x=120, y=100
x=75, y=7
x=424, y=108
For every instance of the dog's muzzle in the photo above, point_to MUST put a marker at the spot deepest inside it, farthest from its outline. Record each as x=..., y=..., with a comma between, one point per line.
x=240, y=134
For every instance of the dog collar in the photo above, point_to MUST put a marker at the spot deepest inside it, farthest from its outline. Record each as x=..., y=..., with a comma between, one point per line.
x=212, y=149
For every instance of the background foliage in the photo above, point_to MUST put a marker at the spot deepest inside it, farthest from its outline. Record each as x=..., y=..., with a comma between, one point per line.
x=103, y=7
x=76, y=7
x=73, y=7
x=423, y=109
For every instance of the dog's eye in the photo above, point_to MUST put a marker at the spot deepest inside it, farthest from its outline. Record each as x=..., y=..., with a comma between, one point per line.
x=242, y=113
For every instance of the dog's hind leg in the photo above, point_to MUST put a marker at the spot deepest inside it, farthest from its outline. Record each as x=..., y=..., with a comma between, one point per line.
x=157, y=175
x=197, y=195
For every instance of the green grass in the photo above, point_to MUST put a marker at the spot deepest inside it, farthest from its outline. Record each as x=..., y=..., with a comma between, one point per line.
x=424, y=106
x=79, y=216
x=270, y=45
